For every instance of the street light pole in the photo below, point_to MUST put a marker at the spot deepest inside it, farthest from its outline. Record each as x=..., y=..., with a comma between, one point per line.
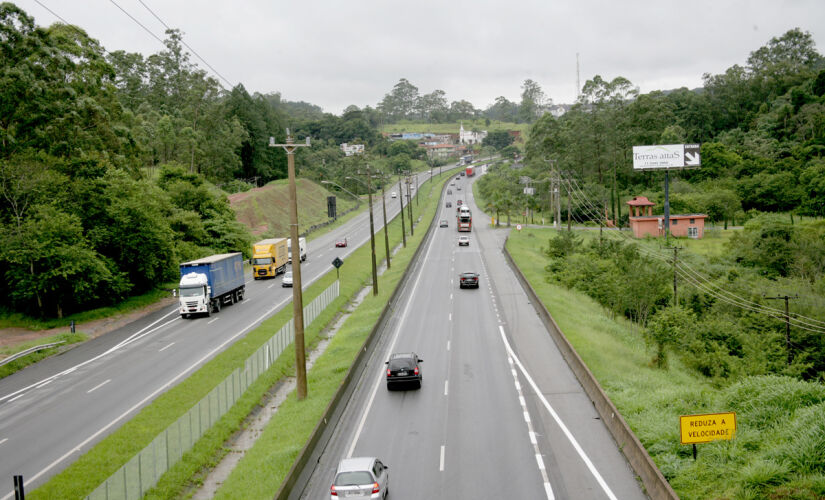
x=409, y=205
x=384, y=209
x=372, y=230
x=401, y=202
x=297, y=297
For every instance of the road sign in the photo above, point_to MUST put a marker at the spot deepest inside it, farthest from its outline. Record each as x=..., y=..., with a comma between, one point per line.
x=666, y=156
x=695, y=429
x=518, y=227
x=337, y=262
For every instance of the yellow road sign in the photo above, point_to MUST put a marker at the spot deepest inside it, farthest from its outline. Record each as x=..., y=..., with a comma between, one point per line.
x=695, y=429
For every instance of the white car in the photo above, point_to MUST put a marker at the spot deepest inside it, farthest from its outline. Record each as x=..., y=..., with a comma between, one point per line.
x=463, y=241
x=287, y=281
x=394, y=195
x=360, y=478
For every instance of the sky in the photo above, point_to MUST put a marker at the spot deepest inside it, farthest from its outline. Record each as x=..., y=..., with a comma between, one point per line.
x=334, y=53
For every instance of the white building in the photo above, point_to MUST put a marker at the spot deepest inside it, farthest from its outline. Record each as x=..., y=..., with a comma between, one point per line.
x=352, y=149
x=470, y=137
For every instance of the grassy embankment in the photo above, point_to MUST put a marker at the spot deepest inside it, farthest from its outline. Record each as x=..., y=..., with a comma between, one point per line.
x=105, y=458
x=779, y=448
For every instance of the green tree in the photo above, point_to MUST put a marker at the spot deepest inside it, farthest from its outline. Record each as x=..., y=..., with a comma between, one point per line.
x=533, y=101
x=668, y=328
x=498, y=139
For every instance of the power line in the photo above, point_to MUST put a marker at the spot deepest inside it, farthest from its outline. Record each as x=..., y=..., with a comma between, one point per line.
x=186, y=44
x=136, y=21
x=710, y=288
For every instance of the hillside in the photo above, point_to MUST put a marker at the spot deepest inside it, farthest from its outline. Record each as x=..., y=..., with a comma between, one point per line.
x=265, y=210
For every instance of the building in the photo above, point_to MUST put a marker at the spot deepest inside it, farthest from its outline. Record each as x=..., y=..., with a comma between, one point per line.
x=352, y=149
x=644, y=223
x=470, y=137
x=443, y=151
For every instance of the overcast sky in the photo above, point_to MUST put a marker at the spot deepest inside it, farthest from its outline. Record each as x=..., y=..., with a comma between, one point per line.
x=334, y=53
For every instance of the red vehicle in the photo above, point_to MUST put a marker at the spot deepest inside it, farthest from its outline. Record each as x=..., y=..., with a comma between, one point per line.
x=341, y=243
x=470, y=171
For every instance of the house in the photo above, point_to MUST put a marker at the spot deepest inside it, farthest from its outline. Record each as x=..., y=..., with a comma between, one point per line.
x=352, y=149
x=644, y=223
x=470, y=137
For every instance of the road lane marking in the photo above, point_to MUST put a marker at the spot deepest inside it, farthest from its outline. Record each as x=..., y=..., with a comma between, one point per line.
x=270, y=286
x=527, y=416
x=558, y=419
x=451, y=317
x=17, y=397
x=98, y=386
x=446, y=385
x=401, y=321
x=4, y=440
x=540, y=461
x=441, y=460
x=44, y=384
x=167, y=347
x=211, y=321
x=448, y=345
x=451, y=296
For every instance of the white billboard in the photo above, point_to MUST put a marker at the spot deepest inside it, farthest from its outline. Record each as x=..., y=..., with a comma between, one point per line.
x=665, y=156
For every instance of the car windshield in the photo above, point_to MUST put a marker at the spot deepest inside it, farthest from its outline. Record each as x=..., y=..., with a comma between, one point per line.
x=262, y=261
x=402, y=364
x=354, y=478
x=191, y=291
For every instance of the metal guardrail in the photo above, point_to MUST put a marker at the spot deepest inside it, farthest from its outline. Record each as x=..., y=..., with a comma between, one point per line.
x=29, y=351
x=144, y=470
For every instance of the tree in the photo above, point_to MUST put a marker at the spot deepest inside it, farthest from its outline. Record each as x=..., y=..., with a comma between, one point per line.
x=400, y=103
x=532, y=101
x=666, y=329
x=498, y=139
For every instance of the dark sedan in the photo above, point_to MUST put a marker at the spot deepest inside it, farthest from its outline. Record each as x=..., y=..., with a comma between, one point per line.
x=404, y=368
x=468, y=280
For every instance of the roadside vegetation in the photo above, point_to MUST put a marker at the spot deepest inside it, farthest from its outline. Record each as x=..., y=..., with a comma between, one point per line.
x=92, y=469
x=686, y=362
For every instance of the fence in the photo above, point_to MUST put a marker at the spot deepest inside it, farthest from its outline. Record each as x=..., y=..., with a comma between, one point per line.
x=144, y=469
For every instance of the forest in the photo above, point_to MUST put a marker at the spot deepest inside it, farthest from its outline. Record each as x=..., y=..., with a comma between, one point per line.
x=114, y=166
x=762, y=134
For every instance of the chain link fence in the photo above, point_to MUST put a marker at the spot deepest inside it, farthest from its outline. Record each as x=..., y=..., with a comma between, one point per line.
x=144, y=469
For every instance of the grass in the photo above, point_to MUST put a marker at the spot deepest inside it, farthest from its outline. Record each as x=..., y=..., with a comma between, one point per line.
x=262, y=470
x=779, y=448
x=67, y=338
x=92, y=469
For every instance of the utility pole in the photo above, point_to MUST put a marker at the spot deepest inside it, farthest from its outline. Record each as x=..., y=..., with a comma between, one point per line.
x=675, y=261
x=368, y=185
x=401, y=202
x=568, y=204
x=297, y=296
x=416, y=190
x=786, y=298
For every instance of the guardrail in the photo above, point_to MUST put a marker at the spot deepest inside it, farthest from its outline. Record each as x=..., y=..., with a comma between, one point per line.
x=654, y=482
x=29, y=351
x=144, y=469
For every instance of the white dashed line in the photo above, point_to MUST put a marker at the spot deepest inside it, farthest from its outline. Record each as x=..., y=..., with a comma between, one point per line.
x=451, y=317
x=448, y=345
x=4, y=440
x=211, y=321
x=17, y=397
x=446, y=385
x=166, y=347
x=441, y=461
x=98, y=386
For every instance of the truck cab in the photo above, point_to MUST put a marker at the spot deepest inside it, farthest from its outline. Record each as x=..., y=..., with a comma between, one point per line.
x=194, y=294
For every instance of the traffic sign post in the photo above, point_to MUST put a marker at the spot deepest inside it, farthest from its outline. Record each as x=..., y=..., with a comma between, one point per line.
x=337, y=263
x=698, y=429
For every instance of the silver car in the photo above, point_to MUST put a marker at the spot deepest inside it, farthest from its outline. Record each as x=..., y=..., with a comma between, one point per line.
x=360, y=478
x=287, y=279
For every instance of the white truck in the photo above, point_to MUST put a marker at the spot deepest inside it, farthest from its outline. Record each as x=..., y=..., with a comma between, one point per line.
x=302, y=243
x=207, y=284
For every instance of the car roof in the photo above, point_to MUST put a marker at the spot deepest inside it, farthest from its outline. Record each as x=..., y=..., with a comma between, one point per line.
x=355, y=464
x=469, y=272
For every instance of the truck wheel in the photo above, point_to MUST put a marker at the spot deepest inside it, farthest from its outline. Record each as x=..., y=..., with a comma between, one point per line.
x=240, y=295
x=209, y=309
x=218, y=305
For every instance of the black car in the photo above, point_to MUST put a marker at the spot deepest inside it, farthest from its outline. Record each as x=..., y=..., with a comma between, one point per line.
x=468, y=280
x=449, y=191
x=404, y=368
x=449, y=204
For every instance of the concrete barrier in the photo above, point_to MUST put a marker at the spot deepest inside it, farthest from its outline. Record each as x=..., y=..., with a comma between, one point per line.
x=655, y=484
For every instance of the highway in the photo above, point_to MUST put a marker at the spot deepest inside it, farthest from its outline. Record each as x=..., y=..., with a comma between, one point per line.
x=499, y=415
x=54, y=411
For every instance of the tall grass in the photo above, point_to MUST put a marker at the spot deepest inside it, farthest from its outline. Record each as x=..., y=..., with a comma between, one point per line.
x=779, y=447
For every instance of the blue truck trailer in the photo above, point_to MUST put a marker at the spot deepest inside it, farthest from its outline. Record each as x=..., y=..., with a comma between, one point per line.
x=208, y=283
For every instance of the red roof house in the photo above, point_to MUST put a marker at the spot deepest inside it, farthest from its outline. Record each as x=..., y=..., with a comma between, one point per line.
x=644, y=223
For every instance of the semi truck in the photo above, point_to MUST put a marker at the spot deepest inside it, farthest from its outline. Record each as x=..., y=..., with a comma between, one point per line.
x=302, y=244
x=208, y=283
x=470, y=171
x=464, y=219
x=269, y=258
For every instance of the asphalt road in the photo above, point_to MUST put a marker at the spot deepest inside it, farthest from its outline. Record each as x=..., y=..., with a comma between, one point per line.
x=54, y=411
x=500, y=415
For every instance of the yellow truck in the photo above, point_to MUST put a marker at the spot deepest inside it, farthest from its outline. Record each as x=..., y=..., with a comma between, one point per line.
x=269, y=258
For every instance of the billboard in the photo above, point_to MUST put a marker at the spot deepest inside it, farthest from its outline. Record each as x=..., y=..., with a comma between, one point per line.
x=666, y=156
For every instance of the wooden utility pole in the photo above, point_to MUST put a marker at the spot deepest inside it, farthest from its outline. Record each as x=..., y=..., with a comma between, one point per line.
x=384, y=209
x=786, y=298
x=675, y=262
x=409, y=205
x=297, y=296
